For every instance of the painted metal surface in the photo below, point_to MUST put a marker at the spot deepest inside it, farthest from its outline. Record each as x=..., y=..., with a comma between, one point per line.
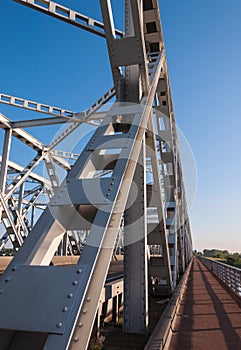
x=229, y=275
x=106, y=182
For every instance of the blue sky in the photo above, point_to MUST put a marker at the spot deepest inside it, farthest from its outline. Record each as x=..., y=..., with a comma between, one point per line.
x=203, y=43
x=50, y=61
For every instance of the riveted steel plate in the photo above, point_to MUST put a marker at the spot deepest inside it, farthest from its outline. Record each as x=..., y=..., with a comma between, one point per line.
x=38, y=298
x=84, y=192
x=110, y=142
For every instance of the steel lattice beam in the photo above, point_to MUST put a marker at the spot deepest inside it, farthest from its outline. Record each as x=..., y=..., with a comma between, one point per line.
x=98, y=190
x=65, y=14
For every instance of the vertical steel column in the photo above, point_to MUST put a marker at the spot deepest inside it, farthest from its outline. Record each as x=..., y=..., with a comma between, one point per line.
x=20, y=198
x=32, y=216
x=4, y=163
x=135, y=254
x=135, y=231
x=5, y=157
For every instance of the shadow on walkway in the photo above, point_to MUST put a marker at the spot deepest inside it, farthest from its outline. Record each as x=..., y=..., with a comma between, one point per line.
x=209, y=315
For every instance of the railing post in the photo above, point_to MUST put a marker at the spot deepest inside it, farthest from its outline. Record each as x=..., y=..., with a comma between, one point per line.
x=229, y=275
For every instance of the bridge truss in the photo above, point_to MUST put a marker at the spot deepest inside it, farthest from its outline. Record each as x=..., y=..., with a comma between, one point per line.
x=127, y=179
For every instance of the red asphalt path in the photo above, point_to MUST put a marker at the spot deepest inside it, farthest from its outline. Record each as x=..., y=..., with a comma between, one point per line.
x=209, y=317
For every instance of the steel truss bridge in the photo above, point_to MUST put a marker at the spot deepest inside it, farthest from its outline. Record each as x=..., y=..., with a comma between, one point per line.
x=124, y=191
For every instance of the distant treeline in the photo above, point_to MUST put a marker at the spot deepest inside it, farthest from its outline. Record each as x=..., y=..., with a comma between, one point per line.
x=225, y=256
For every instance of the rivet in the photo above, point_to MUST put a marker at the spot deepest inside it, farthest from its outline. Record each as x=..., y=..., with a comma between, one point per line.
x=84, y=311
x=88, y=299
x=79, y=271
x=65, y=309
x=76, y=339
x=60, y=325
x=80, y=324
x=14, y=268
x=7, y=279
x=70, y=295
x=75, y=283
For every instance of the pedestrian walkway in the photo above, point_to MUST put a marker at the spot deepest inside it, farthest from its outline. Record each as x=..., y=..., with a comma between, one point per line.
x=209, y=316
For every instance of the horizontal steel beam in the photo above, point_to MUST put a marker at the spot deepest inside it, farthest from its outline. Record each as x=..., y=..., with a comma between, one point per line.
x=79, y=118
x=41, y=122
x=34, y=106
x=22, y=135
x=69, y=16
x=64, y=154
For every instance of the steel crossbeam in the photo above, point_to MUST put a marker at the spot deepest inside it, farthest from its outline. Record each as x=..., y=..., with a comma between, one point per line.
x=65, y=14
x=61, y=116
x=34, y=106
x=21, y=135
x=105, y=190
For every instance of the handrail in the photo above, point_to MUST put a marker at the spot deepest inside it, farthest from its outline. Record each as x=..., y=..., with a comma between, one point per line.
x=229, y=275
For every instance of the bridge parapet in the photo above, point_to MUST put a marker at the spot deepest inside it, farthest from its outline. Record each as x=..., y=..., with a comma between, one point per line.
x=161, y=336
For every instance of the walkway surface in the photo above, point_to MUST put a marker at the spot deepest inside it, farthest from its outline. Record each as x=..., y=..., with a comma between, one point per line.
x=209, y=316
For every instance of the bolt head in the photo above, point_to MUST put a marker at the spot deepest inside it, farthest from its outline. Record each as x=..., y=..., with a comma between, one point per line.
x=75, y=283
x=60, y=325
x=70, y=295
x=65, y=309
x=79, y=271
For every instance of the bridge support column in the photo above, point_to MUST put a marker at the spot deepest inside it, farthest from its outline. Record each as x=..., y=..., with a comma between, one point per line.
x=4, y=162
x=135, y=255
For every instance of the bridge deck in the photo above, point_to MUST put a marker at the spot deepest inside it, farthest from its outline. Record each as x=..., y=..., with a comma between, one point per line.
x=209, y=316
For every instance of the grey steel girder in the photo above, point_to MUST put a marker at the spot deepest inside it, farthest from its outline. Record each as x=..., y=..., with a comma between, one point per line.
x=44, y=152
x=75, y=18
x=34, y=106
x=107, y=180
x=103, y=229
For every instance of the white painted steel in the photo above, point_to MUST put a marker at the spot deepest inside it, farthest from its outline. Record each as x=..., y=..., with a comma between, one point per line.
x=97, y=191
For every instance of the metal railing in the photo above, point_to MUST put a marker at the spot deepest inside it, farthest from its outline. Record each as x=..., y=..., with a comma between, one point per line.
x=229, y=275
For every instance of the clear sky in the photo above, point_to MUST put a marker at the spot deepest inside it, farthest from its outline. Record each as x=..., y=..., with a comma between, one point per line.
x=50, y=61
